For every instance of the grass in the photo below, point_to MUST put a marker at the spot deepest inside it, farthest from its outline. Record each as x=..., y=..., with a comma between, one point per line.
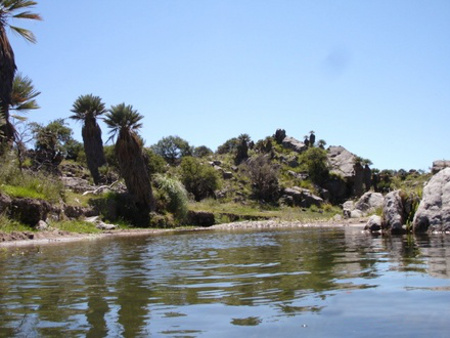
x=76, y=226
x=25, y=192
x=8, y=225
x=256, y=210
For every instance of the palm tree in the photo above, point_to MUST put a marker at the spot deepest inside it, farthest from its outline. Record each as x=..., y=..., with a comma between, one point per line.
x=23, y=96
x=87, y=108
x=11, y=9
x=124, y=121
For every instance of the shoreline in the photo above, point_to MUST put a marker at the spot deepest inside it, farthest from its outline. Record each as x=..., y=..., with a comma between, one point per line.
x=29, y=238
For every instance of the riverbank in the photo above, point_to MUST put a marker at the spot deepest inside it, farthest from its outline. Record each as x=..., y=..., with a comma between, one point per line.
x=24, y=238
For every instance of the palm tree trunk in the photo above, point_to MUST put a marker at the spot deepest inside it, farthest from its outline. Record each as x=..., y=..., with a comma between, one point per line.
x=134, y=171
x=93, y=147
x=7, y=71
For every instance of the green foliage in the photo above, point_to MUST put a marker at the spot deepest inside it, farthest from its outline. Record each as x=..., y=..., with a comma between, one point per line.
x=23, y=96
x=315, y=162
x=229, y=146
x=199, y=179
x=76, y=226
x=74, y=149
x=87, y=107
x=172, y=149
x=155, y=163
x=8, y=225
x=202, y=151
x=51, y=140
x=110, y=156
x=172, y=195
x=264, y=179
x=28, y=184
x=122, y=117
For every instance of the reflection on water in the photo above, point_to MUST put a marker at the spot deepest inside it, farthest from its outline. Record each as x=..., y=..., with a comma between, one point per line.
x=316, y=282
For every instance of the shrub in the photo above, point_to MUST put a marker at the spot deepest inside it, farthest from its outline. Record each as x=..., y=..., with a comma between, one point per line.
x=199, y=179
x=316, y=164
x=264, y=179
x=173, y=196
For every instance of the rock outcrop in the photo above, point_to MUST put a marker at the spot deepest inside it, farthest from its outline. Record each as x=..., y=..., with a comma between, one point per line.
x=29, y=211
x=367, y=204
x=433, y=213
x=439, y=165
x=294, y=144
x=300, y=197
x=374, y=223
x=393, y=212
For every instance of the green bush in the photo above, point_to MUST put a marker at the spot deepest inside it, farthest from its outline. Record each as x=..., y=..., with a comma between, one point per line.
x=172, y=195
x=264, y=179
x=315, y=162
x=199, y=179
x=28, y=184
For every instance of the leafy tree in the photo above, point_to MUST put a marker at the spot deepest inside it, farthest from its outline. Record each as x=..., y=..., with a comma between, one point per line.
x=202, y=151
x=87, y=108
x=199, y=179
x=312, y=138
x=229, y=146
x=124, y=123
x=11, y=9
x=264, y=178
x=172, y=149
x=315, y=162
x=50, y=141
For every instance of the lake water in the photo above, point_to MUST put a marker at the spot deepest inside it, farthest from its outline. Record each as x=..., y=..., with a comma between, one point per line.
x=306, y=282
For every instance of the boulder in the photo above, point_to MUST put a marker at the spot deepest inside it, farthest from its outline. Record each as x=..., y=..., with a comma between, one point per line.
x=294, y=144
x=347, y=208
x=374, y=223
x=201, y=218
x=370, y=202
x=341, y=161
x=227, y=175
x=301, y=197
x=105, y=226
x=29, y=211
x=41, y=226
x=393, y=212
x=439, y=165
x=433, y=213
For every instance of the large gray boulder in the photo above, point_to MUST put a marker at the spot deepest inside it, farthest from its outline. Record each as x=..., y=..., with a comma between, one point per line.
x=301, y=197
x=294, y=144
x=393, y=212
x=29, y=211
x=370, y=202
x=374, y=223
x=341, y=161
x=433, y=213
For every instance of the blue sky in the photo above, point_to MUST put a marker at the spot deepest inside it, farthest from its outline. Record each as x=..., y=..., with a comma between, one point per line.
x=372, y=76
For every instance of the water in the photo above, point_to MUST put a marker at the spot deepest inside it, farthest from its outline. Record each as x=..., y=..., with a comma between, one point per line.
x=307, y=282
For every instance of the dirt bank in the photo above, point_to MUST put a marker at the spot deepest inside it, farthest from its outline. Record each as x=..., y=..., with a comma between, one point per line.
x=20, y=238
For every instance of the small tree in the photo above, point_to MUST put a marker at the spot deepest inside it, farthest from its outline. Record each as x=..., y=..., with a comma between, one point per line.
x=202, y=151
x=315, y=162
x=199, y=179
x=172, y=149
x=50, y=141
x=264, y=177
x=242, y=149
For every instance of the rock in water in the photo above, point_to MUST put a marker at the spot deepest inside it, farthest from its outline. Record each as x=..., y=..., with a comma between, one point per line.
x=433, y=213
x=393, y=212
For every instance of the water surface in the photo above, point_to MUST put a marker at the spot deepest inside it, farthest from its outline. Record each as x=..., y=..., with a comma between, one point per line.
x=311, y=282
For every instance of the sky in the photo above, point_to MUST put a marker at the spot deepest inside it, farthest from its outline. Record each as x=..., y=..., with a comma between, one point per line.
x=372, y=76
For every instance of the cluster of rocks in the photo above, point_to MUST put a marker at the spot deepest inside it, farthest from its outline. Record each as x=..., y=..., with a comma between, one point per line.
x=403, y=212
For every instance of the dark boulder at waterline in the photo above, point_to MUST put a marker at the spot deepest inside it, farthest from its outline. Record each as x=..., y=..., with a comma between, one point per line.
x=433, y=213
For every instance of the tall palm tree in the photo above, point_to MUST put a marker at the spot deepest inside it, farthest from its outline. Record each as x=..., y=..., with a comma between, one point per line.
x=23, y=96
x=87, y=108
x=11, y=9
x=124, y=121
